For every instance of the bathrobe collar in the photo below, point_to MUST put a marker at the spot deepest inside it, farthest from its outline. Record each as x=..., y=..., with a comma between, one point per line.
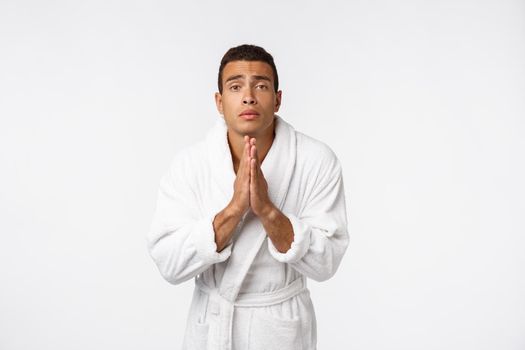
x=277, y=166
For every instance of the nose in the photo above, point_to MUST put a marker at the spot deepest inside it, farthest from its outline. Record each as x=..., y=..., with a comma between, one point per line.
x=248, y=99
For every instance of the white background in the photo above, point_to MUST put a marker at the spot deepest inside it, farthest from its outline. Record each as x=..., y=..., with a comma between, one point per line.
x=422, y=101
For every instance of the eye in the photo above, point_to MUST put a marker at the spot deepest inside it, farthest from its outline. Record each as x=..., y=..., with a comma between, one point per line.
x=261, y=86
x=235, y=87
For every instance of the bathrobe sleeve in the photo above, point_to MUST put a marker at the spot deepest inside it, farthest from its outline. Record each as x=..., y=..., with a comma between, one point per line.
x=180, y=240
x=320, y=229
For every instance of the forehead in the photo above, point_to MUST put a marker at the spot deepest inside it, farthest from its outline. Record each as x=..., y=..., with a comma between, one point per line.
x=247, y=68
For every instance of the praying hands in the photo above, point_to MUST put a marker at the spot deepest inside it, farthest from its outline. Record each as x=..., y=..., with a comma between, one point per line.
x=251, y=191
x=259, y=200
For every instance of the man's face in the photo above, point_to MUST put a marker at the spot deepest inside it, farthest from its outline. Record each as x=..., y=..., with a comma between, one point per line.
x=248, y=87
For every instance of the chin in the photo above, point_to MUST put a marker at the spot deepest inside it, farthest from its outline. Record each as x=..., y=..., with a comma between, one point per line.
x=251, y=128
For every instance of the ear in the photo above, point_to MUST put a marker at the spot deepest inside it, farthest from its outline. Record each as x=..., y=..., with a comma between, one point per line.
x=278, y=96
x=218, y=102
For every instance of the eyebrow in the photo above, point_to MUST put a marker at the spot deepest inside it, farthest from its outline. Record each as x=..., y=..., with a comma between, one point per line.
x=241, y=76
x=261, y=77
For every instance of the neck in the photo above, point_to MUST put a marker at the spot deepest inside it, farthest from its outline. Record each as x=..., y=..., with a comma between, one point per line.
x=263, y=143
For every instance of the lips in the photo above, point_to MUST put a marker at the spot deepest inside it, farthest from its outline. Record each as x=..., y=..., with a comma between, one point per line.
x=249, y=114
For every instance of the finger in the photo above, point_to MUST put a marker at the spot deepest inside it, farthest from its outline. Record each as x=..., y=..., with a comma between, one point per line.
x=247, y=144
x=248, y=161
x=244, y=153
x=252, y=142
x=253, y=172
x=244, y=163
x=246, y=157
x=255, y=154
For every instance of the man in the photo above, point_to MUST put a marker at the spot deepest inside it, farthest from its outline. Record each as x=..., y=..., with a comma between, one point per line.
x=250, y=212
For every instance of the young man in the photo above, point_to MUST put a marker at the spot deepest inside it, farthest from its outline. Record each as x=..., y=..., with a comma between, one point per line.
x=250, y=212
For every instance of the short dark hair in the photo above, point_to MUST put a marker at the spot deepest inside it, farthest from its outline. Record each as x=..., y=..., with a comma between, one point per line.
x=248, y=53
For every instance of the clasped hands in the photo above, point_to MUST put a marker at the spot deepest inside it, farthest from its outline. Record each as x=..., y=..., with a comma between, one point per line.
x=250, y=186
x=250, y=190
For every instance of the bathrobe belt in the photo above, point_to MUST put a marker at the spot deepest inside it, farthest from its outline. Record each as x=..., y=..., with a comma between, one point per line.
x=221, y=310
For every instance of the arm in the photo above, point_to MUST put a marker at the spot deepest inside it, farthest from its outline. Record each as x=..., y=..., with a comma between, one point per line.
x=224, y=225
x=278, y=228
x=180, y=241
x=320, y=235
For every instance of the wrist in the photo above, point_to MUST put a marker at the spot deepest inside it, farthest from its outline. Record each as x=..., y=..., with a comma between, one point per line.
x=269, y=214
x=234, y=211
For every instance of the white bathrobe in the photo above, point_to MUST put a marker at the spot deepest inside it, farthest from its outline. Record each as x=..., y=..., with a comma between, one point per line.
x=249, y=295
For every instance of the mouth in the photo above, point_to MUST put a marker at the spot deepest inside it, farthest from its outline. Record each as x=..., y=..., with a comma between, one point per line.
x=249, y=114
